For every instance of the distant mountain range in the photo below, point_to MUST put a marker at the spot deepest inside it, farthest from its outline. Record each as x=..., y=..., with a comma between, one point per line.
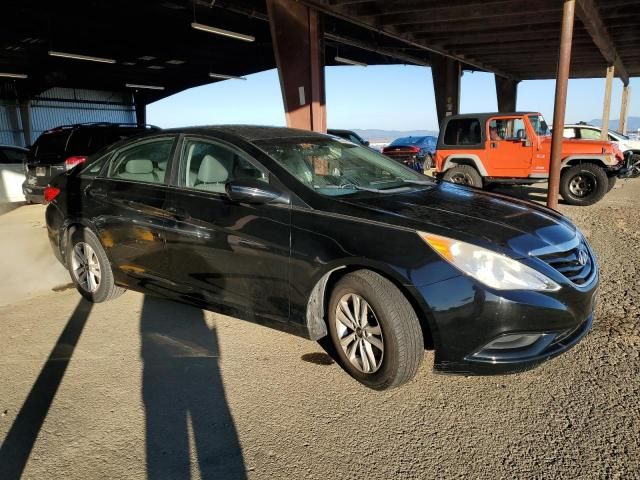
x=386, y=136
x=633, y=123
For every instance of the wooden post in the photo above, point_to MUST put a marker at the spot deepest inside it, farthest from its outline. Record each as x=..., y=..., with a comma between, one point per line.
x=297, y=36
x=560, y=104
x=624, y=109
x=606, y=111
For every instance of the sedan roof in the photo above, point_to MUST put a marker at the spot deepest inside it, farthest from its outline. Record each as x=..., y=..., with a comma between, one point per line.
x=250, y=133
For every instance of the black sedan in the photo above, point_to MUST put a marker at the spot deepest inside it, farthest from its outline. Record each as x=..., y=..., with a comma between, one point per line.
x=317, y=236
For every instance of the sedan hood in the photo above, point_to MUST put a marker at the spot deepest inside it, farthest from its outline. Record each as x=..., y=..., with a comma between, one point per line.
x=513, y=227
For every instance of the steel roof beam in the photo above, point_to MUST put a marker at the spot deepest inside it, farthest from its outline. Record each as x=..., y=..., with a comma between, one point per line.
x=390, y=32
x=588, y=12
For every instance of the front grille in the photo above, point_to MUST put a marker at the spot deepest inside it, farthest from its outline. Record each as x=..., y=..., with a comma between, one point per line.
x=576, y=264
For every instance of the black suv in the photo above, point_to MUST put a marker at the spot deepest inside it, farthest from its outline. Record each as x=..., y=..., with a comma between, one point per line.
x=61, y=148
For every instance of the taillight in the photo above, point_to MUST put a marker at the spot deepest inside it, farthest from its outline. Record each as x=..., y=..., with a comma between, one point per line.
x=73, y=161
x=50, y=193
x=415, y=149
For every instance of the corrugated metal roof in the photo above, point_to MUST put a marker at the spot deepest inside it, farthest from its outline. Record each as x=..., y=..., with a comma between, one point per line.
x=64, y=106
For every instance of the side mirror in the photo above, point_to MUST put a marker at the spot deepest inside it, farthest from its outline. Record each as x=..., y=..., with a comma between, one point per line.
x=366, y=143
x=252, y=191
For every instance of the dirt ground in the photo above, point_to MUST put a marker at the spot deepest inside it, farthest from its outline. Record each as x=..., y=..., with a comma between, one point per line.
x=144, y=388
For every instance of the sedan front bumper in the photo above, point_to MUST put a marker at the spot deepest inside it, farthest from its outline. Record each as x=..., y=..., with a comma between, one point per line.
x=468, y=320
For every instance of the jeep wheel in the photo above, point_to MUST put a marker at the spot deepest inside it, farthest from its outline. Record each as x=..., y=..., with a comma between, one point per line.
x=428, y=162
x=583, y=184
x=612, y=183
x=463, y=175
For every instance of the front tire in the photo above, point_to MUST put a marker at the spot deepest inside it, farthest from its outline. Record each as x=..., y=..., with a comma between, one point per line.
x=583, y=184
x=463, y=175
x=612, y=183
x=375, y=331
x=90, y=269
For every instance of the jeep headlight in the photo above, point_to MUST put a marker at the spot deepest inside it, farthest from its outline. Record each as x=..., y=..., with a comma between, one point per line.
x=488, y=267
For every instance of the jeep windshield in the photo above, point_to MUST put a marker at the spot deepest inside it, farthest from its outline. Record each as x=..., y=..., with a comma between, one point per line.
x=338, y=167
x=539, y=125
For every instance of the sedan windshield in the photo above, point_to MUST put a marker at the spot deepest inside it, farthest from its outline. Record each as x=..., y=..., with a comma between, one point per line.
x=333, y=167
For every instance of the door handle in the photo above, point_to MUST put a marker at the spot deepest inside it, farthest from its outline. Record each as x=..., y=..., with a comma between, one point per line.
x=494, y=145
x=178, y=213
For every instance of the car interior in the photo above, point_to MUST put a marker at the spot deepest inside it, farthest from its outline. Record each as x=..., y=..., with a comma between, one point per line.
x=209, y=166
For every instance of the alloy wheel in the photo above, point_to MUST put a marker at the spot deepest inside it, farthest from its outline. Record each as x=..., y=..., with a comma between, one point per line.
x=359, y=333
x=582, y=185
x=86, y=267
x=461, y=179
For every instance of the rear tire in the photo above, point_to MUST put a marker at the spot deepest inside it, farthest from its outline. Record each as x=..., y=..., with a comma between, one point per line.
x=428, y=162
x=383, y=347
x=583, y=184
x=89, y=267
x=463, y=175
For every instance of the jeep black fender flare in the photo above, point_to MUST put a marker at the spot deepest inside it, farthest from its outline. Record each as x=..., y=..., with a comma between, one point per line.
x=465, y=159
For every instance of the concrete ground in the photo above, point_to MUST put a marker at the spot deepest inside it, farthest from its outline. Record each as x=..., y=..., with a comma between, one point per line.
x=144, y=388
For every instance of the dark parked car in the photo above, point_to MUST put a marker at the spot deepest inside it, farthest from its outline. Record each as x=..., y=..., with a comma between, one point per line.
x=349, y=135
x=317, y=237
x=415, y=152
x=62, y=148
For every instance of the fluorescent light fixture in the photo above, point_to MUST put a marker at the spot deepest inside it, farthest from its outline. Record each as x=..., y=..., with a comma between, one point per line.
x=147, y=58
x=348, y=61
x=128, y=64
x=13, y=75
x=156, y=67
x=148, y=87
x=224, y=33
x=175, y=62
x=226, y=77
x=76, y=56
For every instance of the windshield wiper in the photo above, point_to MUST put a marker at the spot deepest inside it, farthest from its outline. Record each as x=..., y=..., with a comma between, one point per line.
x=417, y=182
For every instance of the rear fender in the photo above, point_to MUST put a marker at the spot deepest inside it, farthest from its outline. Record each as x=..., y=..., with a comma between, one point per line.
x=465, y=159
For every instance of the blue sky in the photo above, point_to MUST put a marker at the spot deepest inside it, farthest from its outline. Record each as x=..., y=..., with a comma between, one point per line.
x=390, y=97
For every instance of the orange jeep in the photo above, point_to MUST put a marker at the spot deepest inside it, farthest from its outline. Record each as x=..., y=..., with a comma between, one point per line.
x=514, y=148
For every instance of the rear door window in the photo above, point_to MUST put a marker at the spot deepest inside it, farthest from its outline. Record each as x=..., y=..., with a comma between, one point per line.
x=463, y=131
x=589, y=134
x=146, y=162
x=79, y=142
x=51, y=144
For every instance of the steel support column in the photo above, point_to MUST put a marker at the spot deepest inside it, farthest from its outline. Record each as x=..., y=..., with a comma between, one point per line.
x=606, y=109
x=446, y=75
x=624, y=109
x=25, y=120
x=507, y=93
x=141, y=109
x=297, y=35
x=560, y=104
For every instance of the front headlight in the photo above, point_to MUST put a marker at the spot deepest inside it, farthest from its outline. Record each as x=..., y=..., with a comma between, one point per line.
x=490, y=268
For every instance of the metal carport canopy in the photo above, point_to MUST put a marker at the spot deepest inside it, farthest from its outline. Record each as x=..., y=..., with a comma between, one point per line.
x=154, y=43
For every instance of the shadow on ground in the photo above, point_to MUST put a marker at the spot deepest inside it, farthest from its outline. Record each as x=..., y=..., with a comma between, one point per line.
x=184, y=396
x=22, y=435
